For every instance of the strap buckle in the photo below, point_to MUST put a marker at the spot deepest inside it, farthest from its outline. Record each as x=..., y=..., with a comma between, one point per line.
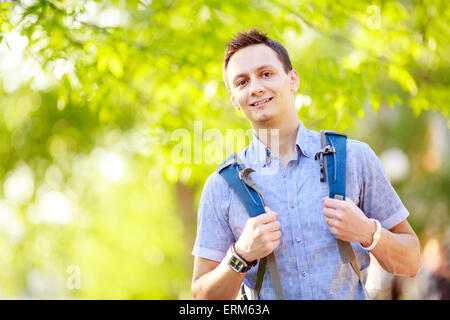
x=324, y=151
x=319, y=156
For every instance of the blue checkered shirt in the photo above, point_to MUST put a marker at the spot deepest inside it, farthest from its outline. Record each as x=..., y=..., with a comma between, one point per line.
x=308, y=258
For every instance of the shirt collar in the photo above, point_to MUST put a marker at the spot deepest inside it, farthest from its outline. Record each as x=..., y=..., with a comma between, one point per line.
x=259, y=151
x=303, y=140
x=262, y=154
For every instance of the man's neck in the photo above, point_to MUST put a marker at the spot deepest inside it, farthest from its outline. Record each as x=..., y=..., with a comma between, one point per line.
x=280, y=139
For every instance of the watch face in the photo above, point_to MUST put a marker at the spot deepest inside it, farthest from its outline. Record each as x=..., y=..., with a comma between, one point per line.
x=236, y=264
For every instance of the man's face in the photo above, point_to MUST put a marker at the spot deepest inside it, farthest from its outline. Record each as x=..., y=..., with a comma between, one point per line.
x=260, y=87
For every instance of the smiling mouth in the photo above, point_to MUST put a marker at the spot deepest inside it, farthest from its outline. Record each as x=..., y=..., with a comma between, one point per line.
x=262, y=102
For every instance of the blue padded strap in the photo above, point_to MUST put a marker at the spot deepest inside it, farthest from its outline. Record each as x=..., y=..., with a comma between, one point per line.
x=253, y=202
x=335, y=163
x=249, y=197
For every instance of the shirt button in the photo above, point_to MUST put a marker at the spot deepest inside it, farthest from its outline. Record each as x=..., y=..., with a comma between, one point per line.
x=304, y=274
x=298, y=239
x=291, y=205
x=283, y=175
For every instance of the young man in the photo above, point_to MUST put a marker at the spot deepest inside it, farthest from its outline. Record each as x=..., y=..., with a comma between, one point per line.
x=301, y=224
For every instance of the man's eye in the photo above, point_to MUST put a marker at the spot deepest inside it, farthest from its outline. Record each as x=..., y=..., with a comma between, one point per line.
x=266, y=74
x=241, y=83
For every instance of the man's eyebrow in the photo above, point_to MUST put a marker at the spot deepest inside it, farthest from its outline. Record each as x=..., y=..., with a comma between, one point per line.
x=257, y=69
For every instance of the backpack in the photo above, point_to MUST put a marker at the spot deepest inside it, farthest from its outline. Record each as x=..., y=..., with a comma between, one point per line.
x=332, y=162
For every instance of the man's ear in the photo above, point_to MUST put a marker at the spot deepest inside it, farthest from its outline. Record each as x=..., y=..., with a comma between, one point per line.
x=295, y=80
x=233, y=101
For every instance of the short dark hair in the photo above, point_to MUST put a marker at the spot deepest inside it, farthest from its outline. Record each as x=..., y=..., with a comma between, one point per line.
x=252, y=37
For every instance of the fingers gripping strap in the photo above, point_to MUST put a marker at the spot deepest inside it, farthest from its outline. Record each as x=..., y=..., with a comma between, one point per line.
x=233, y=170
x=335, y=173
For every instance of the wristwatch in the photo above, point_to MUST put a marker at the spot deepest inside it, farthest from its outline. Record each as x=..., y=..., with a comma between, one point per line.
x=237, y=263
x=376, y=236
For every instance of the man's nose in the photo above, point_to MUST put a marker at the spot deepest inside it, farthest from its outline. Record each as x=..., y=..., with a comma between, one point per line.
x=256, y=87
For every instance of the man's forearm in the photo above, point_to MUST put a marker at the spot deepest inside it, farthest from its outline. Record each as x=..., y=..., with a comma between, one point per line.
x=222, y=283
x=398, y=253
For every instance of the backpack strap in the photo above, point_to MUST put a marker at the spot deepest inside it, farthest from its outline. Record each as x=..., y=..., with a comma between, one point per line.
x=333, y=156
x=234, y=171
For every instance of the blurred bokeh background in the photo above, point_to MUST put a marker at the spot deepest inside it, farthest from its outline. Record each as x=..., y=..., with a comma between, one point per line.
x=95, y=97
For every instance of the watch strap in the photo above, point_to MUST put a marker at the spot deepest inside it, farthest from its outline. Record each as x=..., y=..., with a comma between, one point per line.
x=248, y=266
x=376, y=236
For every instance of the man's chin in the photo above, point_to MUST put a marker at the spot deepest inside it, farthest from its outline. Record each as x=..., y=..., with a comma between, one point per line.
x=260, y=116
x=263, y=119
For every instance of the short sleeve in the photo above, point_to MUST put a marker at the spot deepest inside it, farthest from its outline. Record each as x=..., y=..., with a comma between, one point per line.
x=214, y=235
x=378, y=198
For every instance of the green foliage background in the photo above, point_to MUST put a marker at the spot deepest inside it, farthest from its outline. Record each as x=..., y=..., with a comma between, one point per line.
x=140, y=70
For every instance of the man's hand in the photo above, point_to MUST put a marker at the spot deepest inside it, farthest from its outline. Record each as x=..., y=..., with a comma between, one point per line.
x=347, y=222
x=261, y=235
